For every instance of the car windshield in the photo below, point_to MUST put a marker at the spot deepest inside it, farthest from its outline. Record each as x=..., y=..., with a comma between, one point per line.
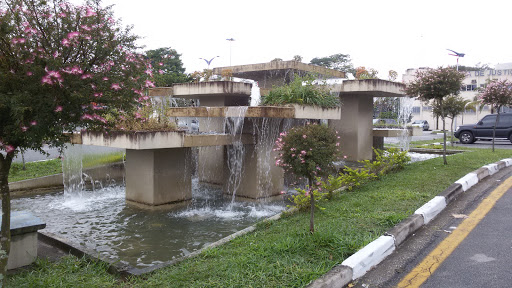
x=418, y=122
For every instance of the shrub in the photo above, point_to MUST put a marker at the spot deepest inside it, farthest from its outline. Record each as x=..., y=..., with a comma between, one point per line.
x=302, y=91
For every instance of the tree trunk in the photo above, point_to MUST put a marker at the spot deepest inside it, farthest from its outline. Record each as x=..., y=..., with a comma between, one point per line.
x=5, y=234
x=312, y=202
x=494, y=128
x=443, y=118
x=451, y=131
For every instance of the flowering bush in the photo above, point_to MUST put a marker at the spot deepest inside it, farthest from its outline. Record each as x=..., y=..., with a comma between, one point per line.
x=308, y=151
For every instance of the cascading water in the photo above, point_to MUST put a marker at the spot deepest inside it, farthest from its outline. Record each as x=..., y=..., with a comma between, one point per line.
x=72, y=170
x=404, y=116
x=233, y=124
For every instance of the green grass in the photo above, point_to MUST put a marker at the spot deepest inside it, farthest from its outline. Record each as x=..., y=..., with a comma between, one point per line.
x=54, y=166
x=284, y=254
x=34, y=169
x=68, y=272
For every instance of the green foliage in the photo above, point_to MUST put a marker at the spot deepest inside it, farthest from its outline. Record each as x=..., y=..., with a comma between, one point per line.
x=363, y=73
x=302, y=200
x=340, y=62
x=302, y=91
x=386, y=161
x=150, y=117
x=34, y=169
x=353, y=178
x=167, y=67
x=435, y=84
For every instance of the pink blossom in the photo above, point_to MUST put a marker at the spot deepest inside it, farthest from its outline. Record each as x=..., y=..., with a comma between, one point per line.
x=29, y=73
x=345, y=157
x=85, y=27
x=337, y=144
x=46, y=80
x=283, y=192
x=149, y=84
x=58, y=108
x=87, y=117
x=85, y=76
x=24, y=128
x=62, y=15
x=33, y=123
x=89, y=12
x=161, y=64
x=115, y=86
x=65, y=42
x=72, y=35
x=105, y=78
x=98, y=117
x=304, y=136
x=137, y=115
x=9, y=148
x=99, y=94
x=293, y=155
x=161, y=71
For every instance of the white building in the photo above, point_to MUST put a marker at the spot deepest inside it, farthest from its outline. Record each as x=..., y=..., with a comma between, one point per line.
x=469, y=89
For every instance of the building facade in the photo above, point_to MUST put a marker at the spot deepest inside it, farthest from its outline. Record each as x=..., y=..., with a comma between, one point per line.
x=469, y=90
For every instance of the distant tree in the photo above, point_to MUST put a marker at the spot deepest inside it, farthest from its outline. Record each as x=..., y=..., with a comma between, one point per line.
x=497, y=93
x=340, y=62
x=167, y=67
x=434, y=85
x=297, y=58
x=392, y=75
x=453, y=106
x=363, y=73
x=62, y=67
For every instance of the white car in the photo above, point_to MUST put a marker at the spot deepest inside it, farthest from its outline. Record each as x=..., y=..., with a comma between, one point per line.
x=421, y=123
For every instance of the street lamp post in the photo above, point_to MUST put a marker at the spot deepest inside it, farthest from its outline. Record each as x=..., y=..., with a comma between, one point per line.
x=458, y=55
x=230, y=44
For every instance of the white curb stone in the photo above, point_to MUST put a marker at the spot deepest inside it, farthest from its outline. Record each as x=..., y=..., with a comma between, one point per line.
x=432, y=208
x=493, y=168
x=507, y=161
x=468, y=181
x=371, y=255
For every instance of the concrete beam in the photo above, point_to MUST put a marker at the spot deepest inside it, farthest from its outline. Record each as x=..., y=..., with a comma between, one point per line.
x=292, y=111
x=370, y=87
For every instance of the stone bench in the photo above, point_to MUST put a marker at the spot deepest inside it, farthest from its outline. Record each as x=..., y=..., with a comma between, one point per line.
x=24, y=228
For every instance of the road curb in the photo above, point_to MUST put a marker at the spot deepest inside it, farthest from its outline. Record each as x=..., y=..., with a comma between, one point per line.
x=372, y=254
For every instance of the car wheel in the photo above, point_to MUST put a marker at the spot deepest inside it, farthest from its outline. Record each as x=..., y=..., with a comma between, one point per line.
x=466, y=137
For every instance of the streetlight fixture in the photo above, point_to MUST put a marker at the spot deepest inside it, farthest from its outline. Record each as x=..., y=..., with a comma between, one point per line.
x=209, y=61
x=230, y=44
x=458, y=55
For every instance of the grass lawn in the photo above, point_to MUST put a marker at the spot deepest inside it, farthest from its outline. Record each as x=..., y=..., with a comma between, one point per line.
x=283, y=253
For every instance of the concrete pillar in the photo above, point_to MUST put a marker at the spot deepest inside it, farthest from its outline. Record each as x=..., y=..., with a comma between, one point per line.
x=355, y=126
x=158, y=176
x=260, y=178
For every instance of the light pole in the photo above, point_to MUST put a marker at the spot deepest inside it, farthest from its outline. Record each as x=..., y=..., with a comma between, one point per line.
x=230, y=44
x=209, y=61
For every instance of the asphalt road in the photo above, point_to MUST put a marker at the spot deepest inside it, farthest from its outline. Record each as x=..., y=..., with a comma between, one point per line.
x=481, y=260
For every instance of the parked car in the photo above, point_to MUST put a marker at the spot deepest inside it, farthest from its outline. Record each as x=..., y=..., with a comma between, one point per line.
x=421, y=123
x=482, y=130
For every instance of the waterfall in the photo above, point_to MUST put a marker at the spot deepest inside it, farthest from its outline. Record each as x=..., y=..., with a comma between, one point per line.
x=404, y=116
x=72, y=170
x=233, y=124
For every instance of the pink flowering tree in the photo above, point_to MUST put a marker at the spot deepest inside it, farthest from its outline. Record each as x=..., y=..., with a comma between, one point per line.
x=62, y=67
x=434, y=85
x=497, y=93
x=308, y=151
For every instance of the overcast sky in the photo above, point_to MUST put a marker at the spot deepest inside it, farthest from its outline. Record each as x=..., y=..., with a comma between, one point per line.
x=383, y=35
